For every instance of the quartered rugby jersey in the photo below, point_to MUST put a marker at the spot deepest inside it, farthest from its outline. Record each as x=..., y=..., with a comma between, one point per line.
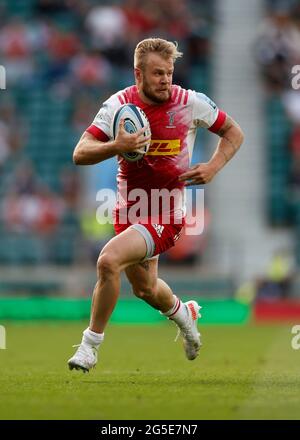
x=173, y=132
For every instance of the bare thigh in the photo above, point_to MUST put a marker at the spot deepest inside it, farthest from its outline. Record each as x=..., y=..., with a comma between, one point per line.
x=143, y=276
x=125, y=249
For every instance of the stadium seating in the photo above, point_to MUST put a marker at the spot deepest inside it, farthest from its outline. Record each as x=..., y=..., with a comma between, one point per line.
x=278, y=162
x=49, y=148
x=50, y=136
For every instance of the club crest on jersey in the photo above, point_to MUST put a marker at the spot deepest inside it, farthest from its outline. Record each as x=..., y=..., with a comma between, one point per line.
x=171, y=116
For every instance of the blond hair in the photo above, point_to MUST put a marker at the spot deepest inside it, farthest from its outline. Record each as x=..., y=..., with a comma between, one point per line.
x=164, y=48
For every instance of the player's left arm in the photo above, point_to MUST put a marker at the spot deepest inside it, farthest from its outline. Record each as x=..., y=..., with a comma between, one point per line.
x=231, y=138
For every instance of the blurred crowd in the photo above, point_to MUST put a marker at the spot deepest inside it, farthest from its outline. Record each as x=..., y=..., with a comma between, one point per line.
x=277, y=51
x=278, y=44
x=30, y=206
x=75, y=43
x=79, y=51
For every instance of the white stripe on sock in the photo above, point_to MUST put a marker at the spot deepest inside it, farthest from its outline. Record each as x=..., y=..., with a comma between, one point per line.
x=172, y=310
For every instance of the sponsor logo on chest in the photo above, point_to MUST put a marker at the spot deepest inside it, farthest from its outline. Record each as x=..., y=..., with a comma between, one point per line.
x=164, y=147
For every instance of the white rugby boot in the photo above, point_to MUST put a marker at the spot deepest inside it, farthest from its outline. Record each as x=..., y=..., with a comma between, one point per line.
x=86, y=355
x=84, y=359
x=188, y=329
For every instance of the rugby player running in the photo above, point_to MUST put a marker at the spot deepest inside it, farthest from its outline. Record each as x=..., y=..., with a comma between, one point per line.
x=174, y=115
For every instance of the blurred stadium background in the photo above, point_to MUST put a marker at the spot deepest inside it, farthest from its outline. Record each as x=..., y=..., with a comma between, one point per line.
x=62, y=59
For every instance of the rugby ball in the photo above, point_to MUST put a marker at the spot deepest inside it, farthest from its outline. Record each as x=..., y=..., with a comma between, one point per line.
x=134, y=120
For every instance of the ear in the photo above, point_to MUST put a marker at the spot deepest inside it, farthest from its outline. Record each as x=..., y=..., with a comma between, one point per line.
x=137, y=74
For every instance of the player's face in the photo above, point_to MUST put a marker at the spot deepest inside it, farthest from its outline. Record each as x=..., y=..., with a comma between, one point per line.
x=156, y=78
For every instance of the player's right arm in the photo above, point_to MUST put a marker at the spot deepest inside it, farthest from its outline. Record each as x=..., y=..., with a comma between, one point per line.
x=97, y=142
x=91, y=150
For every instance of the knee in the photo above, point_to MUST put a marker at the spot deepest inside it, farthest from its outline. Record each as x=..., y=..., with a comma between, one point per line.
x=144, y=291
x=107, y=265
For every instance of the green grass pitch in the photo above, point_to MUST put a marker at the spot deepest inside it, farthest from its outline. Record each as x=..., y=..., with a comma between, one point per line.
x=242, y=372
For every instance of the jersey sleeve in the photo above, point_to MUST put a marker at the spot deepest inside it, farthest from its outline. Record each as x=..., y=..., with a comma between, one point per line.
x=101, y=125
x=205, y=112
